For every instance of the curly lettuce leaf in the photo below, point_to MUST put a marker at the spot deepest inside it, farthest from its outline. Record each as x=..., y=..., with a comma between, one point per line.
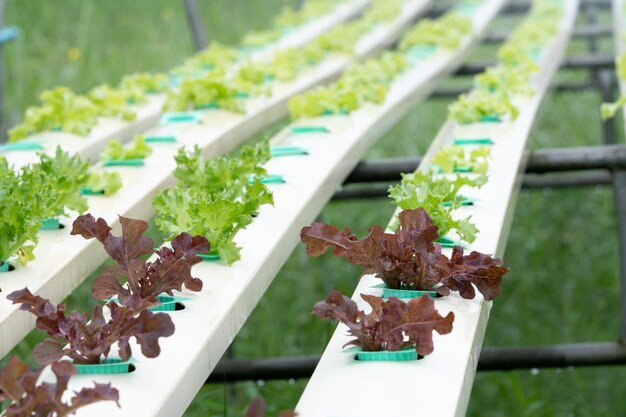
x=392, y=324
x=478, y=104
x=106, y=181
x=18, y=385
x=445, y=32
x=170, y=271
x=111, y=102
x=22, y=211
x=439, y=196
x=409, y=258
x=60, y=109
x=90, y=340
x=115, y=151
x=451, y=158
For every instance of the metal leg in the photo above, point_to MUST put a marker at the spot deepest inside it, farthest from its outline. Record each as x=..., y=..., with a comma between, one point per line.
x=195, y=25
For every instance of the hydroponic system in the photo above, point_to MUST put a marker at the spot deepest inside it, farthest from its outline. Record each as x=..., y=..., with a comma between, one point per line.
x=82, y=175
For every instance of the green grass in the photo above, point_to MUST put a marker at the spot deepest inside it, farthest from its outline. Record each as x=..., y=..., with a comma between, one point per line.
x=563, y=285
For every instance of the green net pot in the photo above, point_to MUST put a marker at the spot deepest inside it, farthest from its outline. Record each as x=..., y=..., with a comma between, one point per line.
x=404, y=292
x=160, y=139
x=89, y=191
x=109, y=366
x=124, y=162
x=278, y=151
x=50, y=224
x=168, y=303
x=406, y=354
x=473, y=141
x=210, y=257
x=299, y=130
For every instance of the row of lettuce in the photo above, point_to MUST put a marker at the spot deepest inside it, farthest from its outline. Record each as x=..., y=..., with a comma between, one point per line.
x=409, y=259
x=212, y=201
x=62, y=109
x=218, y=77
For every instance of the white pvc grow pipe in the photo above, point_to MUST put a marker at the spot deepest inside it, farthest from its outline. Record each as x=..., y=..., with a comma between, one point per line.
x=441, y=383
x=148, y=114
x=63, y=261
x=166, y=385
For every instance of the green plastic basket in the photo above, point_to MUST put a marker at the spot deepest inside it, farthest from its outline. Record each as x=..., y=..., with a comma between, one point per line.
x=405, y=293
x=50, y=224
x=210, y=257
x=273, y=179
x=299, y=130
x=160, y=139
x=473, y=141
x=287, y=151
x=168, y=303
x=269, y=179
x=180, y=117
x=420, y=52
x=406, y=354
x=465, y=201
x=89, y=191
x=109, y=366
x=447, y=242
x=124, y=162
x=21, y=146
x=490, y=119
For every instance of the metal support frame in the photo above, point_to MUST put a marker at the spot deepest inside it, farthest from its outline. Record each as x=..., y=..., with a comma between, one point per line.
x=198, y=34
x=563, y=167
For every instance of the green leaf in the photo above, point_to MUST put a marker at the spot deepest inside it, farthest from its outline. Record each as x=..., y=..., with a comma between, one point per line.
x=137, y=149
x=106, y=181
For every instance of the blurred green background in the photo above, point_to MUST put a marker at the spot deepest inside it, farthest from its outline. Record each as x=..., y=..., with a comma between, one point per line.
x=563, y=285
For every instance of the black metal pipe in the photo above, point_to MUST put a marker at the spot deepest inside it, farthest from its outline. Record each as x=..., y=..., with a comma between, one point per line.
x=589, y=31
x=586, y=61
x=195, y=25
x=552, y=356
x=540, y=161
x=491, y=359
x=561, y=88
x=264, y=369
x=529, y=181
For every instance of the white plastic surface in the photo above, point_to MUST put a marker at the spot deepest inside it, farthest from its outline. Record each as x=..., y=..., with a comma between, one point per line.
x=63, y=261
x=441, y=383
x=214, y=316
x=148, y=114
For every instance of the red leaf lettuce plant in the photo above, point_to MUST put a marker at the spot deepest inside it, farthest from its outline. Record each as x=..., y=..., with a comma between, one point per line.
x=19, y=386
x=170, y=271
x=90, y=341
x=409, y=258
x=392, y=325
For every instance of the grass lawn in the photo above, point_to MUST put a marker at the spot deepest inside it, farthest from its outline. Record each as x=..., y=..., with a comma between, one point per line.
x=563, y=286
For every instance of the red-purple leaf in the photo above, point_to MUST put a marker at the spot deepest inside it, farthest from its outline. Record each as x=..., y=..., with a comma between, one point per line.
x=476, y=268
x=90, y=341
x=409, y=258
x=170, y=271
x=391, y=325
x=18, y=384
x=47, y=352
